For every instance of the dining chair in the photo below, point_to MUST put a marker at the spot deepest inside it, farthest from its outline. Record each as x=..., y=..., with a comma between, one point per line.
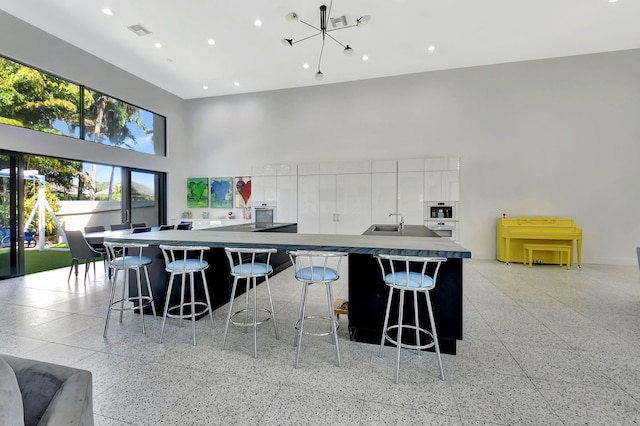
x=80, y=250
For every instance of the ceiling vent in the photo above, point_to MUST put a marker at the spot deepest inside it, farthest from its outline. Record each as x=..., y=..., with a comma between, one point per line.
x=340, y=21
x=139, y=30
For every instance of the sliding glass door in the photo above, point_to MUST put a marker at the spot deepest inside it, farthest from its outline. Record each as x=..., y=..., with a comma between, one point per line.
x=11, y=234
x=145, y=197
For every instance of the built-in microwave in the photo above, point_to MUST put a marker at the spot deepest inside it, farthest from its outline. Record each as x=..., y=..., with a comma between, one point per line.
x=447, y=210
x=444, y=228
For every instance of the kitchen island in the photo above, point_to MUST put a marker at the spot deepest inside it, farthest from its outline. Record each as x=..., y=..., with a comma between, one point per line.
x=367, y=293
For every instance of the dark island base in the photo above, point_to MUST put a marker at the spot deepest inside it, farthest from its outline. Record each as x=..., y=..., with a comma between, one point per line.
x=368, y=298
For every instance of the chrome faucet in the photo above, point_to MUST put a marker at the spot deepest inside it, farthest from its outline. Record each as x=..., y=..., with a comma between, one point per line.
x=401, y=219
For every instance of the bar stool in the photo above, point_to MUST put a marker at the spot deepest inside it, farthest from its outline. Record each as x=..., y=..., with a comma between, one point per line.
x=243, y=265
x=178, y=262
x=312, y=267
x=401, y=273
x=120, y=258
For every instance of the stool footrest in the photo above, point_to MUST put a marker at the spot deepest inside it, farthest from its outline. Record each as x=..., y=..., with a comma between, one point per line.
x=250, y=324
x=132, y=299
x=189, y=314
x=322, y=317
x=407, y=345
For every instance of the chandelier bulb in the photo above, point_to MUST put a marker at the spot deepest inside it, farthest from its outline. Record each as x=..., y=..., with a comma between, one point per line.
x=319, y=76
x=348, y=51
x=291, y=17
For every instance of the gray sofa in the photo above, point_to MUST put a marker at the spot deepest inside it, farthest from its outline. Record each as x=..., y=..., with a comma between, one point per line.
x=41, y=393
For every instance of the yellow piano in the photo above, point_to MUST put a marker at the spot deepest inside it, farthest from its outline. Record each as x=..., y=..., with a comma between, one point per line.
x=512, y=233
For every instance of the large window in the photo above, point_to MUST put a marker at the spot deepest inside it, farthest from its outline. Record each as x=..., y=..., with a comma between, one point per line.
x=36, y=100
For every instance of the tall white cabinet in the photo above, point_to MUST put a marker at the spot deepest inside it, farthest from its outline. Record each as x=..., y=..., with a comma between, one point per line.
x=277, y=184
x=335, y=198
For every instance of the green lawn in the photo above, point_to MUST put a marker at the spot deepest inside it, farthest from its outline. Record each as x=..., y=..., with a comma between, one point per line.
x=38, y=261
x=45, y=260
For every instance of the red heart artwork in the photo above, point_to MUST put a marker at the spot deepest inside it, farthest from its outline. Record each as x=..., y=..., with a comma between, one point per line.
x=244, y=188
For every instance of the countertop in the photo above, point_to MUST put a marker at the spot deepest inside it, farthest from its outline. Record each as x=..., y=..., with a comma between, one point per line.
x=362, y=244
x=407, y=231
x=248, y=227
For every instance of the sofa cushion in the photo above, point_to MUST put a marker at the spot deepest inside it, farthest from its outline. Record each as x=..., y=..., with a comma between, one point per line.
x=73, y=403
x=11, y=409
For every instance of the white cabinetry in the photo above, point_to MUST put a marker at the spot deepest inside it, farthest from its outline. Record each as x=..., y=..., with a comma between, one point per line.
x=277, y=184
x=384, y=181
x=411, y=190
x=442, y=179
x=337, y=200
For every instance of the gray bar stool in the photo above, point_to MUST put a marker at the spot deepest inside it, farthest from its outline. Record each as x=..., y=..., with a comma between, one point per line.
x=178, y=262
x=126, y=257
x=410, y=273
x=243, y=264
x=316, y=267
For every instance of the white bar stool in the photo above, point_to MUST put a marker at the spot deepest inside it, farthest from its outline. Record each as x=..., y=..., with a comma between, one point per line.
x=243, y=265
x=410, y=273
x=178, y=262
x=120, y=257
x=312, y=267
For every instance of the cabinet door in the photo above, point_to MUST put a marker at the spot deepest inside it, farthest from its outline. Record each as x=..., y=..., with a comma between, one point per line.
x=309, y=204
x=353, y=205
x=450, y=185
x=433, y=186
x=287, y=199
x=327, y=193
x=383, y=197
x=411, y=197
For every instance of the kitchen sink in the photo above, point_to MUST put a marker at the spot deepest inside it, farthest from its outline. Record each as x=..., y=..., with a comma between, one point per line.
x=386, y=228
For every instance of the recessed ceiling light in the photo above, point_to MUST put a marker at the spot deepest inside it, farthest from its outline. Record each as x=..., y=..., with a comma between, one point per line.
x=158, y=45
x=211, y=41
x=257, y=23
x=236, y=84
x=205, y=87
x=431, y=48
x=305, y=66
x=365, y=58
x=107, y=11
x=612, y=1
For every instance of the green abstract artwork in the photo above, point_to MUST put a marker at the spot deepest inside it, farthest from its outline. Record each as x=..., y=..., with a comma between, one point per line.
x=198, y=192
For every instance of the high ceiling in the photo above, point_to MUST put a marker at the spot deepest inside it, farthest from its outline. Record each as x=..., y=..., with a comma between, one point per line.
x=396, y=39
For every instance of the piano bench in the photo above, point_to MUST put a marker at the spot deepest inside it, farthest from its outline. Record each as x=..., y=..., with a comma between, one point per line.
x=561, y=249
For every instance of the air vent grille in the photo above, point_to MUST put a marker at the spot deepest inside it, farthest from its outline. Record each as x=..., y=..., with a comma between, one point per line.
x=139, y=30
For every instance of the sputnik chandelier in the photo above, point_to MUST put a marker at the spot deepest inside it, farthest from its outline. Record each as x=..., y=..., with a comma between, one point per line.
x=324, y=32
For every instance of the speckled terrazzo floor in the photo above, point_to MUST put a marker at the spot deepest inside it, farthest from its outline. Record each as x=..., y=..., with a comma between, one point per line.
x=542, y=346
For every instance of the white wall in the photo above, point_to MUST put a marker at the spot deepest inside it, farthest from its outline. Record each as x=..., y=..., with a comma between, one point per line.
x=550, y=137
x=554, y=137
x=25, y=43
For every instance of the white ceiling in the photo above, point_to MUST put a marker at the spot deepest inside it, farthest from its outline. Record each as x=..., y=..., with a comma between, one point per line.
x=464, y=32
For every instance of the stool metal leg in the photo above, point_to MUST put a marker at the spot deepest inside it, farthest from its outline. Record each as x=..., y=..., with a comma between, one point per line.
x=332, y=319
x=183, y=277
x=166, y=305
x=193, y=305
x=125, y=287
x=417, y=320
x=386, y=321
x=399, y=345
x=113, y=293
x=139, y=285
x=255, y=319
x=206, y=295
x=226, y=327
x=434, y=333
x=273, y=311
x=153, y=306
x=303, y=293
x=301, y=321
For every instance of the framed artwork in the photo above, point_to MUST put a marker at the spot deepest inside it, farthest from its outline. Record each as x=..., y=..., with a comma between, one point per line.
x=242, y=191
x=197, y=192
x=222, y=192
